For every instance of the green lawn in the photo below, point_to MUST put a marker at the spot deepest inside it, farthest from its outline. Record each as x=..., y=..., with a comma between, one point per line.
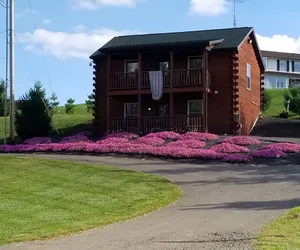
x=43, y=199
x=282, y=234
x=64, y=124
x=277, y=105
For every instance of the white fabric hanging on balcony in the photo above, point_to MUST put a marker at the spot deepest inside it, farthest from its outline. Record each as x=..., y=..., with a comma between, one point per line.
x=156, y=84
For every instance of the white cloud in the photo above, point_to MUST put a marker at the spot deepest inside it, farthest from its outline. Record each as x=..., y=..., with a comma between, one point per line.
x=66, y=45
x=80, y=28
x=95, y=4
x=47, y=21
x=209, y=7
x=280, y=43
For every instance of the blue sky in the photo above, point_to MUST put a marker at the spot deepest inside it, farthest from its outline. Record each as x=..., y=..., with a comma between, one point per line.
x=55, y=38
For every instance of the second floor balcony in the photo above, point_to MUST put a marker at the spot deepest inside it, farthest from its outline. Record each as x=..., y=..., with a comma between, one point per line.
x=144, y=80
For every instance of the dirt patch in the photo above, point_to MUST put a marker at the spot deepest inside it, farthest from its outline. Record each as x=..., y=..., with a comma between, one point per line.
x=277, y=127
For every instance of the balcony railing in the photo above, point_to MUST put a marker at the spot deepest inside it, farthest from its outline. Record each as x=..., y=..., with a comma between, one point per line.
x=147, y=124
x=181, y=78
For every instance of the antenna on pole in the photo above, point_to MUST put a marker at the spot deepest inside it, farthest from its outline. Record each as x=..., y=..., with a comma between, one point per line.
x=234, y=9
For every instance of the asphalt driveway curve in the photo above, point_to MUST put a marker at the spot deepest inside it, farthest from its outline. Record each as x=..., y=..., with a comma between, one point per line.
x=224, y=207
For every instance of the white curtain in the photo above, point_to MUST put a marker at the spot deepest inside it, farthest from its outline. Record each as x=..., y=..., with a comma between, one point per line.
x=156, y=84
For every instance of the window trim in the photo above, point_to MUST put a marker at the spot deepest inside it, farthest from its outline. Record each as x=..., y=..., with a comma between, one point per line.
x=191, y=57
x=248, y=66
x=194, y=100
x=129, y=61
x=124, y=109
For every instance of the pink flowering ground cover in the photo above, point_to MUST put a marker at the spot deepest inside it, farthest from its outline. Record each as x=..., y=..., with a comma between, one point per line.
x=237, y=158
x=113, y=140
x=284, y=147
x=38, y=140
x=187, y=143
x=268, y=153
x=242, y=140
x=76, y=138
x=151, y=141
x=129, y=136
x=166, y=135
x=198, y=136
x=229, y=148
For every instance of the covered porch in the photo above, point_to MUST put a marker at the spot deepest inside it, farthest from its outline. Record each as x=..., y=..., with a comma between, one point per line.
x=139, y=113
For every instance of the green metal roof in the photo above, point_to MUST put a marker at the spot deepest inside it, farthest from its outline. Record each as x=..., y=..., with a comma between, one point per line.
x=232, y=39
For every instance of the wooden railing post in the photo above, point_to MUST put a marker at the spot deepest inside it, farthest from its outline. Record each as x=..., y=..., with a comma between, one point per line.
x=107, y=95
x=171, y=110
x=139, y=70
x=171, y=68
x=139, y=111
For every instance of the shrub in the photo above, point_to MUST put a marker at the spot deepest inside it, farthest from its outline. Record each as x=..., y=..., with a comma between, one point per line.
x=284, y=115
x=242, y=140
x=198, y=136
x=90, y=103
x=266, y=100
x=2, y=99
x=33, y=118
x=54, y=103
x=229, y=148
x=268, y=153
x=70, y=106
x=295, y=100
x=284, y=147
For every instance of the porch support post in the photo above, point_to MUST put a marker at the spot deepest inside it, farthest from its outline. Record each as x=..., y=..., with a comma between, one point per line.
x=139, y=71
x=171, y=69
x=139, y=111
x=172, y=110
x=205, y=92
x=107, y=95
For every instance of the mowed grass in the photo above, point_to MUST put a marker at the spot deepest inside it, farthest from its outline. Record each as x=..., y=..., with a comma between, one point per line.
x=42, y=198
x=282, y=234
x=277, y=104
x=63, y=124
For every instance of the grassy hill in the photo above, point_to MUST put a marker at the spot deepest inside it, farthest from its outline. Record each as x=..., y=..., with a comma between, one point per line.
x=277, y=106
x=64, y=124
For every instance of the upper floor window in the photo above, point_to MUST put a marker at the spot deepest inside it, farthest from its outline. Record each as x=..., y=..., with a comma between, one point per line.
x=296, y=66
x=283, y=65
x=131, y=66
x=248, y=76
x=194, y=62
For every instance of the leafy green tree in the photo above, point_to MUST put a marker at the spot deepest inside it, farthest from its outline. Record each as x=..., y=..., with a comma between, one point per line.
x=54, y=103
x=70, y=106
x=266, y=100
x=295, y=100
x=2, y=99
x=33, y=116
x=90, y=103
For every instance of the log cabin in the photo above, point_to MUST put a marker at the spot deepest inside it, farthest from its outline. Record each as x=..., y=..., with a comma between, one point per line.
x=209, y=80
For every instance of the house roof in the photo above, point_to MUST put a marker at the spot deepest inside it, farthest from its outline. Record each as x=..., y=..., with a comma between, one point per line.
x=230, y=38
x=283, y=55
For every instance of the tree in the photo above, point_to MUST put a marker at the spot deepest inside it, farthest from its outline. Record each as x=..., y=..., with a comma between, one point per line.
x=266, y=100
x=90, y=103
x=2, y=99
x=54, y=103
x=295, y=100
x=33, y=116
x=70, y=106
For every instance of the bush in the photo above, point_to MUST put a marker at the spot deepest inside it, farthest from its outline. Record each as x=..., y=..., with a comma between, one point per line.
x=54, y=103
x=284, y=115
x=90, y=103
x=2, y=99
x=266, y=100
x=295, y=100
x=70, y=106
x=33, y=118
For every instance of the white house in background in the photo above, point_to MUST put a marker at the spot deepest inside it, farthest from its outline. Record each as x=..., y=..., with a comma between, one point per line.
x=281, y=69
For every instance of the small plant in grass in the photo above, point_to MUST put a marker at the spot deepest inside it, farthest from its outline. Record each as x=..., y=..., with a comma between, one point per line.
x=33, y=116
x=70, y=106
x=54, y=103
x=90, y=103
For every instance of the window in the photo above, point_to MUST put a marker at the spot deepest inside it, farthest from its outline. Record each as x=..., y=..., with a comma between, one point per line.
x=296, y=66
x=194, y=107
x=131, y=66
x=248, y=76
x=131, y=109
x=282, y=65
x=273, y=82
x=280, y=82
x=163, y=66
x=194, y=62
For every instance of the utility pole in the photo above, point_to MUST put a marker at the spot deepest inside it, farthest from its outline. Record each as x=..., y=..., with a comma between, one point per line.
x=12, y=70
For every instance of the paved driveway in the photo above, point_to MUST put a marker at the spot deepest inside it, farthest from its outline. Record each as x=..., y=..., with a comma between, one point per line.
x=224, y=207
